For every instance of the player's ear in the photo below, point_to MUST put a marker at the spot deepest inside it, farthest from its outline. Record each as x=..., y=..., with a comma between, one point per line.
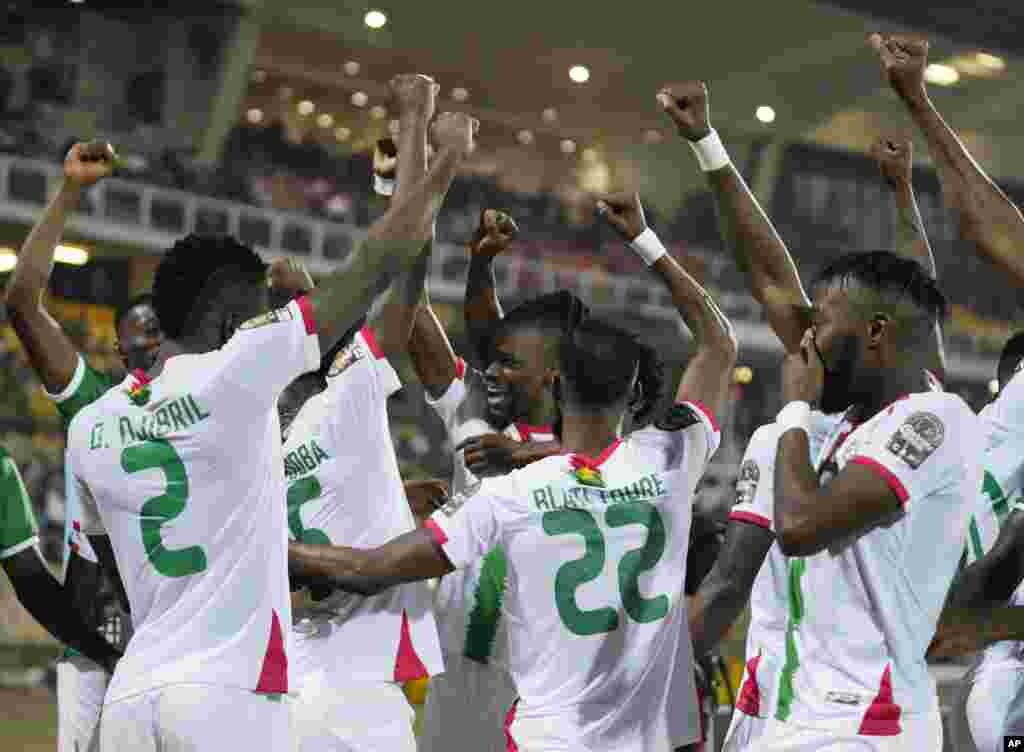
x=879, y=326
x=550, y=377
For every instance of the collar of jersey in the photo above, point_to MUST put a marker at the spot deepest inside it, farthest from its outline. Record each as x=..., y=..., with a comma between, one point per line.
x=526, y=431
x=595, y=462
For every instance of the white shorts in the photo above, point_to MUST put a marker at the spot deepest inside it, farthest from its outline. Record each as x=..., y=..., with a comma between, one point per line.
x=992, y=703
x=197, y=718
x=81, y=685
x=920, y=734
x=743, y=731
x=466, y=707
x=332, y=715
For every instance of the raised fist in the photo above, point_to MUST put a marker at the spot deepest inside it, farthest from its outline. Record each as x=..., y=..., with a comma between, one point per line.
x=903, y=59
x=289, y=277
x=687, y=105
x=895, y=158
x=415, y=94
x=87, y=163
x=455, y=131
x=496, y=232
x=385, y=158
x=624, y=212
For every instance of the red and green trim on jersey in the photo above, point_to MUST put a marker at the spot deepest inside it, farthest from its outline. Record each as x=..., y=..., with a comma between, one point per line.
x=274, y=673
x=308, y=316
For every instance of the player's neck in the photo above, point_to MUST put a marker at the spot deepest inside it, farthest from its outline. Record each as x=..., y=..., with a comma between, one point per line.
x=893, y=384
x=589, y=434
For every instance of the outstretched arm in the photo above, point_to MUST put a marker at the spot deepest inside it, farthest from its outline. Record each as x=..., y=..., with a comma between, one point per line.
x=709, y=373
x=895, y=160
x=482, y=309
x=50, y=352
x=987, y=217
x=745, y=227
x=396, y=240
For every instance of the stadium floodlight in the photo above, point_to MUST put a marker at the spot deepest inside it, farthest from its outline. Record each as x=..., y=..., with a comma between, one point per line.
x=375, y=19
x=579, y=73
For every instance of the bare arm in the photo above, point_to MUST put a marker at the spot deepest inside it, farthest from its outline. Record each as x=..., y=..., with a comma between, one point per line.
x=726, y=590
x=410, y=557
x=51, y=605
x=987, y=217
x=745, y=227
x=482, y=309
x=709, y=372
x=895, y=159
x=436, y=363
x=49, y=350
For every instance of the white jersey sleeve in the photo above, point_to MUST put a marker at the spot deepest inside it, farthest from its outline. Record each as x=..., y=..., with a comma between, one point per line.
x=269, y=352
x=919, y=446
x=755, y=498
x=672, y=436
x=467, y=527
x=447, y=405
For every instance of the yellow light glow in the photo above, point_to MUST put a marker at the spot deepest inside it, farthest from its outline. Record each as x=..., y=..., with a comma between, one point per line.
x=579, y=73
x=375, y=19
x=324, y=120
x=765, y=114
x=941, y=75
x=992, y=62
x=743, y=374
x=64, y=254
x=306, y=107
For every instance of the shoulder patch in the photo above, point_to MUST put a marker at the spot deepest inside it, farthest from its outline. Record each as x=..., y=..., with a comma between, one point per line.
x=677, y=418
x=270, y=317
x=747, y=481
x=915, y=441
x=348, y=355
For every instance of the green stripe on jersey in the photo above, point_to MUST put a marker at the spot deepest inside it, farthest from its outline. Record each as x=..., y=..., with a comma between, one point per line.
x=975, y=537
x=92, y=386
x=482, y=627
x=17, y=523
x=1000, y=505
x=797, y=567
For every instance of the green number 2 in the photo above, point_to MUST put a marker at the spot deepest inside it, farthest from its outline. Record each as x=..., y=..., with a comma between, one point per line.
x=299, y=492
x=580, y=571
x=159, y=510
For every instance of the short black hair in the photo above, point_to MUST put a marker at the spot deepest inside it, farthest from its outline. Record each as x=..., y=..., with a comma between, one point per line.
x=598, y=361
x=557, y=311
x=183, y=279
x=145, y=298
x=891, y=276
x=1010, y=358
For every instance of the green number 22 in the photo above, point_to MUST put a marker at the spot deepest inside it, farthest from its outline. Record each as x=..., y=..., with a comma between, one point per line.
x=575, y=573
x=159, y=510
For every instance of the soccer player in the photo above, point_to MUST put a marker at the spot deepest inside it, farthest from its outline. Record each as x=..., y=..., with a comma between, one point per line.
x=351, y=655
x=184, y=466
x=992, y=695
x=72, y=383
x=594, y=539
x=741, y=572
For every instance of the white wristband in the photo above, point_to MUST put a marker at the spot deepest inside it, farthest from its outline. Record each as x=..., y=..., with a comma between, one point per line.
x=648, y=246
x=711, y=153
x=796, y=414
x=383, y=186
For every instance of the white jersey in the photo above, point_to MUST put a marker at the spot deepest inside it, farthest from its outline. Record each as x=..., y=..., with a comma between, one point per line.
x=1001, y=491
x=469, y=600
x=862, y=613
x=594, y=600
x=344, y=488
x=769, y=597
x=186, y=474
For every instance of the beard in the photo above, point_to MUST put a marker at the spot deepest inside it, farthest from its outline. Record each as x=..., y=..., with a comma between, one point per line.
x=838, y=392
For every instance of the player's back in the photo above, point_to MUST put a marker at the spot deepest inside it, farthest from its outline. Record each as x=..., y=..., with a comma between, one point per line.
x=187, y=477
x=595, y=603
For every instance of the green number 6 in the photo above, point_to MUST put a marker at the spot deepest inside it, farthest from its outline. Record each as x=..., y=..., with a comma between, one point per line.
x=159, y=510
x=580, y=571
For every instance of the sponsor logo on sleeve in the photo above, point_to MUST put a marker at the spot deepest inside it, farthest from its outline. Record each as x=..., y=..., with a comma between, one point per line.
x=347, y=356
x=746, y=483
x=915, y=441
x=270, y=317
x=677, y=418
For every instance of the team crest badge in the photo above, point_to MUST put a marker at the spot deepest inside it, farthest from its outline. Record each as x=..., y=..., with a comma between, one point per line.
x=270, y=317
x=348, y=355
x=139, y=390
x=919, y=436
x=586, y=472
x=747, y=482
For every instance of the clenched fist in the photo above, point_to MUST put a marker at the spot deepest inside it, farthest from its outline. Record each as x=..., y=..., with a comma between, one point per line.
x=687, y=104
x=895, y=159
x=87, y=163
x=624, y=212
x=289, y=277
x=415, y=93
x=496, y=232
x=903, y=60
x=455, y=131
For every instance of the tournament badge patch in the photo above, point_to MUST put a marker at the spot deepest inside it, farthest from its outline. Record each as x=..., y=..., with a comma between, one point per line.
x=919, y=436
x=348, y=355
x=270, y=317
x=746, y=483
